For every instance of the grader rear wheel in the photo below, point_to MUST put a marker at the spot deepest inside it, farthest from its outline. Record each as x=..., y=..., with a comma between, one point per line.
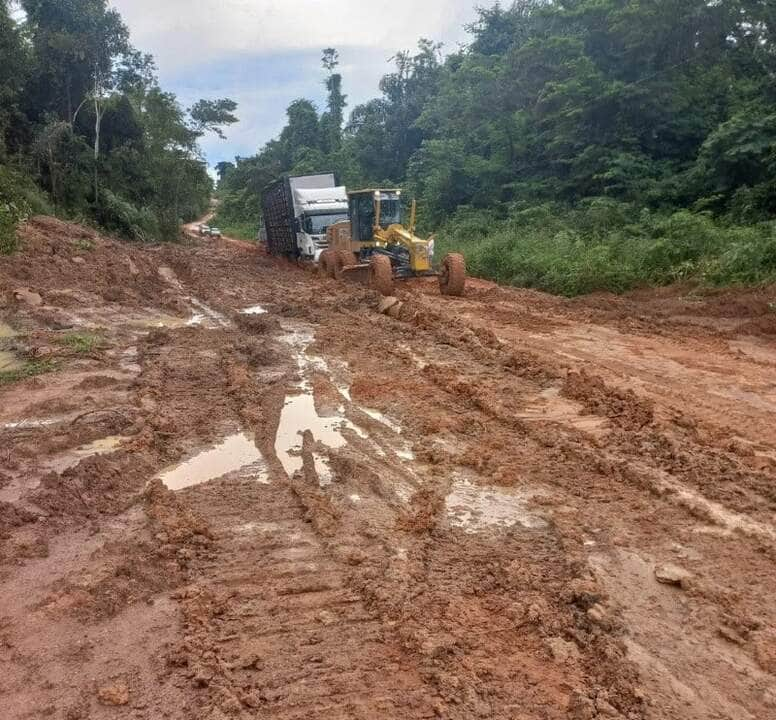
x=452, y=275
x=381, y=274
x=326, y=264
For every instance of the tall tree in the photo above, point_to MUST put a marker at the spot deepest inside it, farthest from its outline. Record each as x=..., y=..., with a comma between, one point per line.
x=332, y=120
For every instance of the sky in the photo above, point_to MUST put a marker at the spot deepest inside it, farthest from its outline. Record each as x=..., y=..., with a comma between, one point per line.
x=266, y=53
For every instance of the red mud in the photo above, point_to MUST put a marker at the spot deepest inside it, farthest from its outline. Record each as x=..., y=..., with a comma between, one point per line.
x=487, y=490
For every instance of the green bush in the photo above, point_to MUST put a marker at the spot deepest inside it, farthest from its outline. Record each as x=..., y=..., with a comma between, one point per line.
x=235, y=228
x=19, y=199
x=608, y=245
x=119, y=216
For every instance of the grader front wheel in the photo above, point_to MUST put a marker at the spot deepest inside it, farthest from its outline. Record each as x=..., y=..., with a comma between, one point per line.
x=326, y=264
x=452, y=275
x=381, y=274
x=341, y=260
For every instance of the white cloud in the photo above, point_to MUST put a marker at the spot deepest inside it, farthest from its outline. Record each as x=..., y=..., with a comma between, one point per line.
x=182, y=32
x=266, y=53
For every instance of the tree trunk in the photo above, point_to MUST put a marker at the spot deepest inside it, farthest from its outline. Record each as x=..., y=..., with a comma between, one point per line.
x=97, y=124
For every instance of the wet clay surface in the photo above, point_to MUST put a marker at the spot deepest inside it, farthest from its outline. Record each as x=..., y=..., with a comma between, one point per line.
x=257, y=496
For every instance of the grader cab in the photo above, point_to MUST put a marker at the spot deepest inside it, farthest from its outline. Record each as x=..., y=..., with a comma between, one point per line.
x=375, y=246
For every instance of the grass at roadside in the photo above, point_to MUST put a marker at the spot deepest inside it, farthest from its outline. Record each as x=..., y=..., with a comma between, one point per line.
x=81, y=343
x=240, y=230
x=607, y=245
x=28, y=370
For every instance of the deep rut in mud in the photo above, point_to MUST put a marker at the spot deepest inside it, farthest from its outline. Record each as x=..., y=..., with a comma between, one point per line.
x=233, y=490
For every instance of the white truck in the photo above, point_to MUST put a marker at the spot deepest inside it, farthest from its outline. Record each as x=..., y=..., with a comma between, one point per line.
x=297, y=212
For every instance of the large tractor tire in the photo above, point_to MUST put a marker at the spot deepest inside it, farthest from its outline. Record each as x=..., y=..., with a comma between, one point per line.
x=381, y=274
x=341, y=260
x=326, y=264
x=452, y=275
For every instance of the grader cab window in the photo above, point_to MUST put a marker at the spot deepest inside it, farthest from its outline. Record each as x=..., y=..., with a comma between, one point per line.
x=362, y=212
x=390, y=210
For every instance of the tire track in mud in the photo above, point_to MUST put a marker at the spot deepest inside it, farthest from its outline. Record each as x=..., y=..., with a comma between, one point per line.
x=483, y=546
x=272, y=624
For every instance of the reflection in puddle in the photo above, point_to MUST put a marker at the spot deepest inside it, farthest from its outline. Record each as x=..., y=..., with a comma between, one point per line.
x=473, y=508
x=299, y=414
x=238, y=452
x=254, y=310
x=71, y=458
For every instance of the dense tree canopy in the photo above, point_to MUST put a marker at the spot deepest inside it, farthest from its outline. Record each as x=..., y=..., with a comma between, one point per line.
x=82, y=116
x=651, y=105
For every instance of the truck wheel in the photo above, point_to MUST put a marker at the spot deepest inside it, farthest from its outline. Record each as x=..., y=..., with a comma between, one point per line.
x=381, y=274
x=325, y=269
x=452, y=276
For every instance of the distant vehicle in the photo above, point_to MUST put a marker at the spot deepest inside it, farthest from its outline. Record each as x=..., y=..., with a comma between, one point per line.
x=298, y=211
x=203, y=229
x=214, y=232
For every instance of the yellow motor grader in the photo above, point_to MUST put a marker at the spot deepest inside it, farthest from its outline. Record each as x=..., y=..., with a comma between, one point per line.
x=375, y=245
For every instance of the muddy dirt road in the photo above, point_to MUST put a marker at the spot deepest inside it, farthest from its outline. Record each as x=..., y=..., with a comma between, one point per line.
x=229, y=489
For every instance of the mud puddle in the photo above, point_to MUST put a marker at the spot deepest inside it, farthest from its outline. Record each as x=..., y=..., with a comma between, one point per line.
x=32, y=423
x=474, y=508
x=254, y=310
x=235, y=453
x=71, y=458
x=300, y=414
x=205, y=316
x=8, y=359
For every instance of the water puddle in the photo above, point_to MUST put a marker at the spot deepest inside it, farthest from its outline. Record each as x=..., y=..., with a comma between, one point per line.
x=205, y=315
x=71, y=458
x=29, y=424
x=473, y=508
x=383, y=419
x=237, y=452
x=299, y=413
x=8, y=359
x=254, y=310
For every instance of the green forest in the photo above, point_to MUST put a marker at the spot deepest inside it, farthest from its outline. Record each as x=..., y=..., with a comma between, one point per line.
x=87, y=133
x=574, y=145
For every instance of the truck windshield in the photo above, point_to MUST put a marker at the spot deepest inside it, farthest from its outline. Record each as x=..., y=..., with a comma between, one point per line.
x=318, y=224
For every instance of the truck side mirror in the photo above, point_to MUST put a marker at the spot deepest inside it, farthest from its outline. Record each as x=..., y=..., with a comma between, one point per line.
x=297, y=226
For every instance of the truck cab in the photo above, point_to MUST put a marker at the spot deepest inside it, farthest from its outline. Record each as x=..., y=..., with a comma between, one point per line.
x=316, y=210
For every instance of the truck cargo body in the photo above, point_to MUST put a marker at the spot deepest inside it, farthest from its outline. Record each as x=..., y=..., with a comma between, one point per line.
x=297, y=211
